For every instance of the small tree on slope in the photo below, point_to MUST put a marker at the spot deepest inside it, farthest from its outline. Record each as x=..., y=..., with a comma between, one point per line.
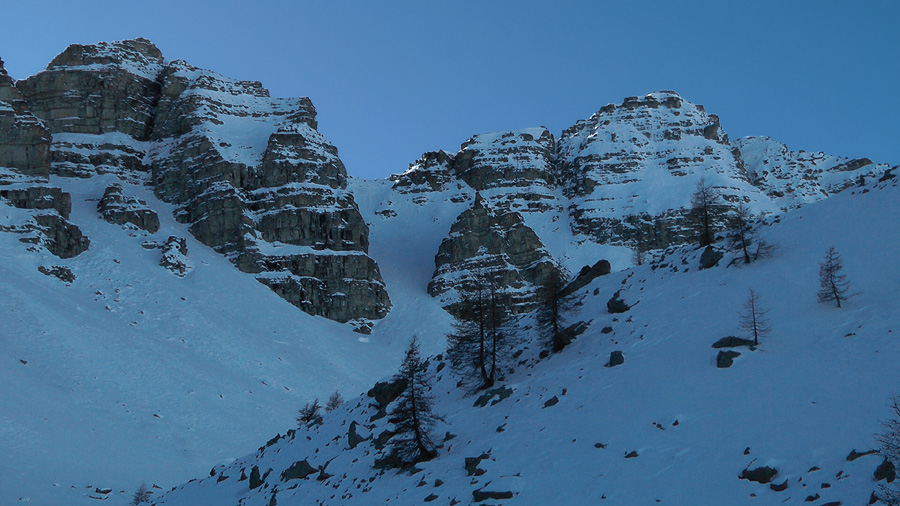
x=480, y=340
x=552, y=312
x=412, y=415
x=753, y=319
x=310, y=412
x=833, y=282
x=889, y=441
x=141, y=495
x=705, y=210
x=744, y=238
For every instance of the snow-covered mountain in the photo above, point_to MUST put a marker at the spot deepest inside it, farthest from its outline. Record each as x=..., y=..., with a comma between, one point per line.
x=187, y=262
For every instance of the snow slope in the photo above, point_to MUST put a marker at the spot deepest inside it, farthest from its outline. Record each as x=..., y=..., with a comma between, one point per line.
x=815, y=389
x=132, y=373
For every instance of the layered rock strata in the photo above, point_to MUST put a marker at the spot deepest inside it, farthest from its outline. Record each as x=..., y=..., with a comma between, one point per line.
x=119, y=209
x=630, y=169
x=24, y=140
x=491, y=247
x=250, y=173
x=794, y=178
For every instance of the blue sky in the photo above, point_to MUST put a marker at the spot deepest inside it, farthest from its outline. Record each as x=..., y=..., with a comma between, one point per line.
x=393, y=79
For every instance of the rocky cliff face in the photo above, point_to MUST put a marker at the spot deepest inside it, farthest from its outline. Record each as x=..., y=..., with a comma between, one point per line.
x=24, y=140
x=793, y=178
x=485, y=245
x=250, y=173
x=634, y=167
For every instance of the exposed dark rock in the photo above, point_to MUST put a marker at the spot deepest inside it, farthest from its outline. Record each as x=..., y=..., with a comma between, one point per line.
x=282, y=210
x=494, y=396
x=855, y=454
x=632, y=454
x=553, y=401
x=471, y=464
x=760, y=474
x=24, y=140
x=885, y=471
x=353, y=438
x=726, y=358
x=616, y=305
x=118, y=209
x=58, y=271
x=484, y=495
x=386, y=392
x=781, y=487
x=486, y=244
x=255, y=479
x=299, y=470
x=174, y=255
x=431, y=172
x=615, y=358
x=62, y=238
x=586, y=275
x=732, y=342
x=39, y=197
x=710, y=257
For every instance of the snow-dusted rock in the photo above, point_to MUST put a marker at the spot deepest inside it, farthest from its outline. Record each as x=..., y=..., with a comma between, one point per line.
x=485, y=244
x=250, y=172
x=117, y=208
x=24, y=140
x=634, y=166
x=794, y=178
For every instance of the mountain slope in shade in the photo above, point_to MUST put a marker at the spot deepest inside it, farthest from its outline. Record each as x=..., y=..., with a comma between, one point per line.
x=667, y=425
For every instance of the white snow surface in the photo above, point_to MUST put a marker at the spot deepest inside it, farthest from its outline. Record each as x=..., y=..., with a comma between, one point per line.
x=816, y=388
x=134, y=374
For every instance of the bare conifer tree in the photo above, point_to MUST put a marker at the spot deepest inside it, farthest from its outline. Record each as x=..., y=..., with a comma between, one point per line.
x=309, y=413
x=832, y=280
x=412, y=415
x=551, y=313
x=141, y=495
x=753, y=320
x=744, y=237
x=334, y=401
x=705, y=211
x=480, y=340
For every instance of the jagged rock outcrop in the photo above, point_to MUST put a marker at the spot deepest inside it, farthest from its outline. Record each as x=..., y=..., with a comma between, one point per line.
x=39, y=197
x=249, y=172
x=486, y=244
x=794, y=178
x=119, y=209
x=99, y=102
x=61, y=237
x=24, y=140
x=174, y=255
x=275, y=203
x=634, y=167
x=433, y=172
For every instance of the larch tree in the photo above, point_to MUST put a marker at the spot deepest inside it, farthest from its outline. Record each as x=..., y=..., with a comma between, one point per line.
x=413, y=415
x=551, y=314
x=705, y=211
x=744, y=237
x=334, y=401
x=480, y=340
x=833, y=283
x=310, y=413
x=753, y=319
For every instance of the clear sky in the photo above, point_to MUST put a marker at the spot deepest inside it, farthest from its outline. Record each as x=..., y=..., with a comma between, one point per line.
x=393, y=79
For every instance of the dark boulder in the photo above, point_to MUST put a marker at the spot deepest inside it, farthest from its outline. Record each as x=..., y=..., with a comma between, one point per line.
x=732, y=342
x=726, y=358
x=710, y=257
x=615, y=358
x=760, y=474
x=886, y=471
